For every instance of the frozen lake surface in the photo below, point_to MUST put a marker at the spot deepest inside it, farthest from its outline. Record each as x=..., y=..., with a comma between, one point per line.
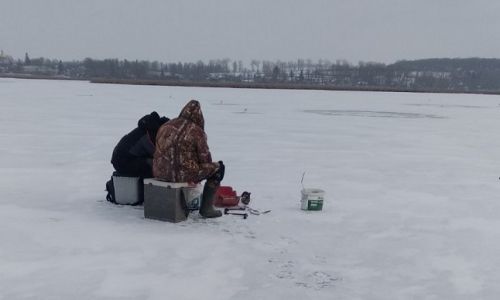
x=412, y=196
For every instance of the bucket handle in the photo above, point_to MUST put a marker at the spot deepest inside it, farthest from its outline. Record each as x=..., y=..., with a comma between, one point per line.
x=302, y=180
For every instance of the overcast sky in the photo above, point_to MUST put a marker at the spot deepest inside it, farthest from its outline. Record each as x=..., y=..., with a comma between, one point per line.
x=189, y=30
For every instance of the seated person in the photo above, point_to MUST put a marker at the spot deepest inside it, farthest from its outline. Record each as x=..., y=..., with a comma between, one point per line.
x=182, y=155
x=133, y=155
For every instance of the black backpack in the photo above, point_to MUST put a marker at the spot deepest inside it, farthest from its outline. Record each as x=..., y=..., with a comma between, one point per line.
x=110, y=188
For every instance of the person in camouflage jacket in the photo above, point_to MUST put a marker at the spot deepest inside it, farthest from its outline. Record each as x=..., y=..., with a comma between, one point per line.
x=182, y=155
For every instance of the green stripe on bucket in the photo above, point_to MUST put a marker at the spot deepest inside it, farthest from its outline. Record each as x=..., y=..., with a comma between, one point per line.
x=314, y=204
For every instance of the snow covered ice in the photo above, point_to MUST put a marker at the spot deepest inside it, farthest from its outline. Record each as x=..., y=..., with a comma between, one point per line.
x=411, y=210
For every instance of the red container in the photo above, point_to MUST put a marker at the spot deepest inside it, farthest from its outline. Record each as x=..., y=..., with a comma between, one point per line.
x=226, y=197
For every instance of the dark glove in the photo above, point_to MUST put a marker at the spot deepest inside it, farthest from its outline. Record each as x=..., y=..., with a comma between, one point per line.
x=219, y=175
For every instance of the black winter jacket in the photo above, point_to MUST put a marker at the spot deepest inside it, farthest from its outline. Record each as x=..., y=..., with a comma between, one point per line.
x=139, y=143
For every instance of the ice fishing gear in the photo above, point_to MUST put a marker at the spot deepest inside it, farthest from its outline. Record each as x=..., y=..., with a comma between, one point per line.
x=245, y=198
x=236, y=208
x=230, y=212
x=226, y=197
x=256, y=211
x=244, y=207
x=233, y=204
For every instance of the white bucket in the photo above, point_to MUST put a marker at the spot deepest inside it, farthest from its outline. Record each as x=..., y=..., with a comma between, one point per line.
x=312, y=199
x=128, y=190
x=193, y=195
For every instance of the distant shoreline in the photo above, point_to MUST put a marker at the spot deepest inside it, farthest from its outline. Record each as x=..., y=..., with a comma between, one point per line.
x=280, y=86
x=39, y=77
x=248, y=85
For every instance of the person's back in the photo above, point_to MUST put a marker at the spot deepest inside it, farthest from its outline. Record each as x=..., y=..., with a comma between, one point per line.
x=133, y=154
x=182, y=155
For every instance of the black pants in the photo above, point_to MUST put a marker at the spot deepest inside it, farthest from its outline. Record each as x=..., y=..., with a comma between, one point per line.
x=137, y=167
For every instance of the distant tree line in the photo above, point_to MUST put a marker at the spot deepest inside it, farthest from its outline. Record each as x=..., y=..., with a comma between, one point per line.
x=440, y=74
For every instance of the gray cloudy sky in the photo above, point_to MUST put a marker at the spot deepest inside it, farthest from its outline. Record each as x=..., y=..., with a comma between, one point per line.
x=188, y=30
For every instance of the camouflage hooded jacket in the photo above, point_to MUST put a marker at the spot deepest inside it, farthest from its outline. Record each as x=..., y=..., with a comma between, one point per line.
x=182, y=153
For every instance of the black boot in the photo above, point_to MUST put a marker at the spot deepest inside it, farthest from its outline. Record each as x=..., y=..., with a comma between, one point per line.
x=206, y=208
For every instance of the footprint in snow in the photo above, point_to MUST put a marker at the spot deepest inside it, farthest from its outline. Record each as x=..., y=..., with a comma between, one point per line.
x=286, y=271
x=317, y=280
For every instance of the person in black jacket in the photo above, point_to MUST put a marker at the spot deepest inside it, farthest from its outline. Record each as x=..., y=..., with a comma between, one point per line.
x=133, y=155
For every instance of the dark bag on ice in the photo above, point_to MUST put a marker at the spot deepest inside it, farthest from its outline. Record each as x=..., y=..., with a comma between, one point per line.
x=111, y=191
